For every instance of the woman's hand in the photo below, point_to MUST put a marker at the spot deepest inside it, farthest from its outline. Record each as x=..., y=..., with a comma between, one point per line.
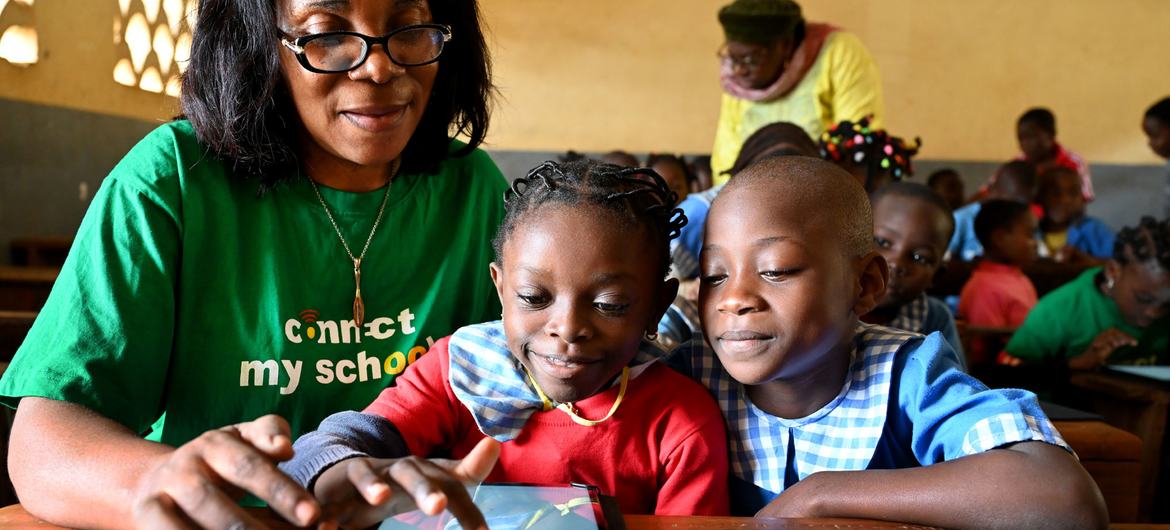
x=197, y=485
x=1101, y=348
x=360, y=492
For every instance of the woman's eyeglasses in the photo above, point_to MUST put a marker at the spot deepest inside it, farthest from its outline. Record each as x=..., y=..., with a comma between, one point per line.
x=341, y=51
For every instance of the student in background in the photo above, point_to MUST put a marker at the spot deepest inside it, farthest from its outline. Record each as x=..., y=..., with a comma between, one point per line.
x=1036, y=133
x=873, y=156
x=1066, y=233
x=701, y=169
x=998, y=294
x=829, y=417
x=567, y=380
x=1156, y=125
x=911, y=227
x=674, y=171
x=948, y=184
x=620, y=158
x=1013, y=181
x=1113, y=314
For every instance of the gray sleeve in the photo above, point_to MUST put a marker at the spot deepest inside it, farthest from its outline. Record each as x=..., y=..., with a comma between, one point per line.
x=341, y=436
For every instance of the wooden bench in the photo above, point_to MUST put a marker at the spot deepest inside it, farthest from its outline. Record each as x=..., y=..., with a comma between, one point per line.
x=26, y=288
x=46, y=251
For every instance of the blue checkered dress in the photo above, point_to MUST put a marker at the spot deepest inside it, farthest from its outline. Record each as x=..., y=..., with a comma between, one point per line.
x=906, y=403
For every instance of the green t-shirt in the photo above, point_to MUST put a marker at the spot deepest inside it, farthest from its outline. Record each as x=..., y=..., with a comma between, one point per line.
x=188, y=293
x=1065, y=322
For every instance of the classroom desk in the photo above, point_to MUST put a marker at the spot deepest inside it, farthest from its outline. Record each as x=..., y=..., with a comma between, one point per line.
x=26, y=288
x=1138, y=405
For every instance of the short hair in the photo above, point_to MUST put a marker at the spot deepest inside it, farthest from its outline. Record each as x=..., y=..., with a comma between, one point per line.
x=657, y=158
x=940, y=174
x=620, y=158
x=1020, y=172
x=921, y=193
x=996, y=215
x=771, y=138
x=636, y=196
x=1048, y=178
x=819, y=185
x=1160, y=111
x=1040, y=117
x=1148, y=242
x=234, y=93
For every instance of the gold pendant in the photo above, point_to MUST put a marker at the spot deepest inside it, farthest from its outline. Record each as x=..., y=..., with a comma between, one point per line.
x=359, y=308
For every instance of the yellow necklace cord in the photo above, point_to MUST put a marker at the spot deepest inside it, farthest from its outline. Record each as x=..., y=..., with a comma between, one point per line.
x=569, y=409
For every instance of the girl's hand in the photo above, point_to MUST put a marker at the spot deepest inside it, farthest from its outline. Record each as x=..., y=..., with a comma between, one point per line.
x=1101, y=348
x=799, y=500
x=360, y=492
x=197, y=485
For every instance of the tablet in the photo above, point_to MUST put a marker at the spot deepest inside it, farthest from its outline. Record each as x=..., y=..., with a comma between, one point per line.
x=518, y=507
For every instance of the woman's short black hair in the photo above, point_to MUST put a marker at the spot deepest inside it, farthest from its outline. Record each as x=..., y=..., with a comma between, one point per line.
x=637, y=196
x=233, y=91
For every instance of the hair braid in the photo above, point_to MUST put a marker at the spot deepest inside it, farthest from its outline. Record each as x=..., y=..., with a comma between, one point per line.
x=1148, y=241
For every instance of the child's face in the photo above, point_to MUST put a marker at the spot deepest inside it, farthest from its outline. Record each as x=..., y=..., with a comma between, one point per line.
x=779, y=295
x=1036, y=143
x=674, y=176
x=1062, y=199
x=1158, y=134
x=911, y=235
x=579, y=290
x=1017, y=243
x=1140, y=290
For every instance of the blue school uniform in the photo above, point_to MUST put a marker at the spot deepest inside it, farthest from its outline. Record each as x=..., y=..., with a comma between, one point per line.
x=926, y=315
x=906, y=403
x=1089, y=235
x=964, y=246
x=684, y=250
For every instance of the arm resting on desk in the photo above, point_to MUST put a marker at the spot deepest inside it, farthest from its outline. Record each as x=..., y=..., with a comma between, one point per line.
x=1026, y=485
x=76, y=468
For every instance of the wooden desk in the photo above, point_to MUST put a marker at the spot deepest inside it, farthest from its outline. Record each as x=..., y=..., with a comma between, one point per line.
x=1138, y=405
x=1112, y=457
x=15, y=518
x=26, y=288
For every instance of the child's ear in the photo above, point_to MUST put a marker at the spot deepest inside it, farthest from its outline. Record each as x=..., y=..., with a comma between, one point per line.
x=872, y=275
x=497, y=279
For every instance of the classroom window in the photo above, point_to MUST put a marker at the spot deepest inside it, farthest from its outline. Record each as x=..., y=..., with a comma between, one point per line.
x=153, y=38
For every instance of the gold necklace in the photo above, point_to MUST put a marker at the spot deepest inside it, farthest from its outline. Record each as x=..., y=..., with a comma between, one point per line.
x=359, y=307
x=572, y=411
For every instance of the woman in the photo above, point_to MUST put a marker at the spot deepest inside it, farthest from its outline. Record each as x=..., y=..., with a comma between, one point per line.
x=288, y=248
x=776, y=67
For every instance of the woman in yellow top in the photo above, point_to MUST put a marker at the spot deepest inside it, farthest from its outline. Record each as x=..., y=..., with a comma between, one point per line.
x=777, y=67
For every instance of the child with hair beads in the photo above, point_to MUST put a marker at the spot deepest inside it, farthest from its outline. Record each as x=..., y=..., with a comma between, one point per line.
x=1066, y=233
x=1036, y=133
x=567, y=381
x=871, y=155
x=998, y=294
x=1111, y=314
x=829, y=417
x=911, y=227
x=1013, y=181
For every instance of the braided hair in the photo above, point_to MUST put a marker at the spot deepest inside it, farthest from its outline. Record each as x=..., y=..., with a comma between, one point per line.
x=636, y=196
x=1148, y=241
x=875, y=149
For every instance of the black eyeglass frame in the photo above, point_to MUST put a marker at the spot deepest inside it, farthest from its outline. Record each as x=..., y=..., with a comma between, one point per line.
x=297, y=46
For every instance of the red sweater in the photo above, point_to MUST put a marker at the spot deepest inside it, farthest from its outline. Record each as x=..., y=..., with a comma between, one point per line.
x=663, y=452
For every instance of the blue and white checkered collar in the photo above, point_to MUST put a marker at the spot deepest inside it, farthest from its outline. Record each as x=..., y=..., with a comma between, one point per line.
x=491, y=382
x=842, y=435
x=912, y=316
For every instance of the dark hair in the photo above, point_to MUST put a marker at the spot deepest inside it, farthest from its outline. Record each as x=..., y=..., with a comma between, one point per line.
x=996, y=215
x=875, y=149
x=918, y=192
x=1048, y=178
x=620, y=158
x=655, y=158
x=1148, y=241
x=234, y=94
x=939, y=174
x=637, y=196
x=769, y=139
x=1160, y=111
x=1040, y=117
x=1021, y=172
x=571, y=156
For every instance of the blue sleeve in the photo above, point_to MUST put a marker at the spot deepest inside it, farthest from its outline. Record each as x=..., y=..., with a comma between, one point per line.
x=950, y=414
x=1102, y=240
x=684, y=251
x=939, y=319
x=341, y=436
